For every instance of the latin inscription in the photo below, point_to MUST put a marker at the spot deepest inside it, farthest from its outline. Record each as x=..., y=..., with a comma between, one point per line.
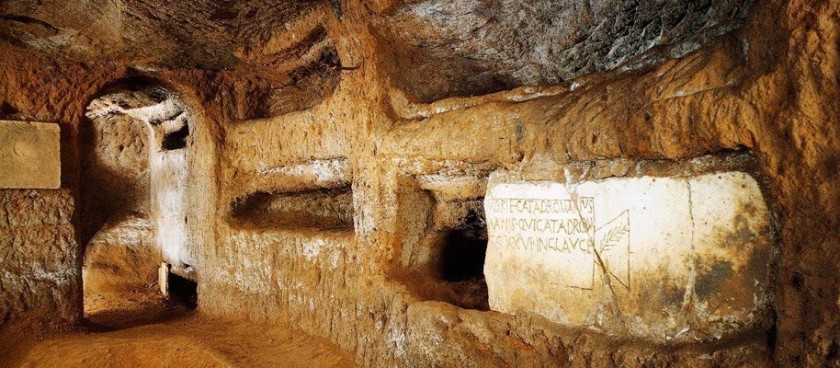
x=572, y=253
x=557, y=230
x=563, y=225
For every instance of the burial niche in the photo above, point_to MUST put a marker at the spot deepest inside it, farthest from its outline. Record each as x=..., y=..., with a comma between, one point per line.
x=443, y=239
x=312, y=208
x=458, y=247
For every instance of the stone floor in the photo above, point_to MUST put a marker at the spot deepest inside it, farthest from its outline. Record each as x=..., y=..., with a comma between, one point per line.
x=142, y=330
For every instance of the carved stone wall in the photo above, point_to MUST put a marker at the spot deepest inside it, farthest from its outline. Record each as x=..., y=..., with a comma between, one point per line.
x=413, y=175
x=40, y=269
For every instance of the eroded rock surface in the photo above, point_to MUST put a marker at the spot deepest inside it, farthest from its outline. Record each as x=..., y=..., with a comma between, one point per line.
x=138, y=30
x=320, y=100
x=37, y=243
x=473, y=47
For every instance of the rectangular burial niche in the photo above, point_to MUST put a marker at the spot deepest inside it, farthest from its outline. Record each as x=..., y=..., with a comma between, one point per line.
x=443, y=244
x=321, y=208
x=460, y=252
x=176, y=139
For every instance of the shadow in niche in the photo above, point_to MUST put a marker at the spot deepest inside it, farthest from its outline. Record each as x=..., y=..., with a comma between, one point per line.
x=176, y=139
x=106, y=193
x=183, y=291
x=462, y=255
x=323, y=209
x=461, y=262
x=450, y=265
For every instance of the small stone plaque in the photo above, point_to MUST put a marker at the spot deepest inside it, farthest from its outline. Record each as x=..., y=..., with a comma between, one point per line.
x=648, y=256
x=29, y=155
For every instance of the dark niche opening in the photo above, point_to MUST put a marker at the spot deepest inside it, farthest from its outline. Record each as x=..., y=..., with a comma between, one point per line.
x=462, y=254
x=460, y=261
x=441, y=242
x=447, y=261
x=177, y=139
x=183, y=291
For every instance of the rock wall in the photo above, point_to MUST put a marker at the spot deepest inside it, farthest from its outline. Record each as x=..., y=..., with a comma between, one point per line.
x=115, y=224
x=40, y=270
x=747, y=91
x=414, y=171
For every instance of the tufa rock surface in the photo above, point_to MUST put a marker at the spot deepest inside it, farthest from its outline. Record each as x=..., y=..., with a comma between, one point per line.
x=324, y=101
x=469, y=47
x=37, y=248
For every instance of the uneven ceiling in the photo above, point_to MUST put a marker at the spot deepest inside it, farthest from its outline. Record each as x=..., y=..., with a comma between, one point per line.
x=481, y=46
x=194, y=34
x=432, y=49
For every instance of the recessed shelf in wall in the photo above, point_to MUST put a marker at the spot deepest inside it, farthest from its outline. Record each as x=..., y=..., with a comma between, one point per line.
x=326, y=209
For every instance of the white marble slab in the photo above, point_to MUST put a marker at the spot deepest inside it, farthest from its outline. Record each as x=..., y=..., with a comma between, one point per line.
x=646, y=256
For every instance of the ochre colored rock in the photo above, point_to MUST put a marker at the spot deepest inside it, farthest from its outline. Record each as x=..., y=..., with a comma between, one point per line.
x=29, y=155
x=37, y=243
x=355, y=97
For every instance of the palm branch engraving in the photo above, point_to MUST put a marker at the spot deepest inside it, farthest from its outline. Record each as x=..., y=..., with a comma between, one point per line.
x=614, y=235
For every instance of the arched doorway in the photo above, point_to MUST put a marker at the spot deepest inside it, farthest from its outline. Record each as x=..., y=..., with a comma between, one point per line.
x=148, y=194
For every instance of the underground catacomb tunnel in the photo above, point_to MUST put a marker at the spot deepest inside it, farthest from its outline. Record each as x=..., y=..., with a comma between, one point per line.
x=425, y=183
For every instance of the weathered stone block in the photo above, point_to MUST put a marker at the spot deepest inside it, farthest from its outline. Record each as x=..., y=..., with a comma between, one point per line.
x=122, y=255
x=29, y=155
x=660, y=257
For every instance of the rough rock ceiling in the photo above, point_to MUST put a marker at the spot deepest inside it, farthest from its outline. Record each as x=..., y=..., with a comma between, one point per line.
x=207, y=34
x=271, y=56
x=481, y=46
x=432, y=49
